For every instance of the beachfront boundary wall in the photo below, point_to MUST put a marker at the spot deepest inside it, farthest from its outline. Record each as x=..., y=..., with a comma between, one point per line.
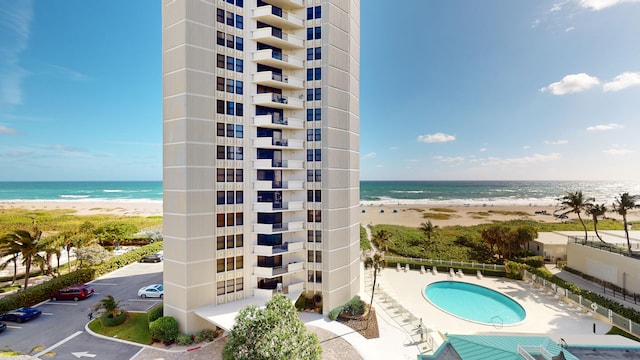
x=617, y=269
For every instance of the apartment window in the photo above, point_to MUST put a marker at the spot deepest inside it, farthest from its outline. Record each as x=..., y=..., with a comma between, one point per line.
x=239, y=65
x=318, y=195
x=317, y=53
x=231, y=86
x=318, y=215
x=239, y=3
x=220, y=152
x=309, y=134
x=220, y=175
x=220, y=61
x=230, y=197
x=309, y=114
x=239, y=22
x=220, y=15
x=239, y=43
x=230, y=175
x=230, y=264
x=230, y=62
x=318, y=175
x=318, y=154
x=239, y=284
x=230, y=243
x=239, y=262
x=317, y=73
x=239, y=219
x=314, y=175
x=220, y=129
x=239, y=131
x=221, y=38
x=310, y=54
x=318, y=236
x=230, y=107
x=220, y=265
x=317, y=93
x=314, y=12
x=309, y=236
x=309, y=175
x=309, y=94
x=239, y=87
x=220, y=197
x=317, y=134
x=309, y=74
x=239, y=153
x=314, y=196
x=230, y=18
x=317, y=114
x=220, y=220
x=231, y=219
x=239, y=175
x=309, y=154
x=220, y=106
x=239, y=197
x=314, y=33
x=220, y=243
x=220, y=83
x=231, y=152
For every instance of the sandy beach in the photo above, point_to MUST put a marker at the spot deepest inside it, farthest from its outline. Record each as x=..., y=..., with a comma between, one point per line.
x=406, y=215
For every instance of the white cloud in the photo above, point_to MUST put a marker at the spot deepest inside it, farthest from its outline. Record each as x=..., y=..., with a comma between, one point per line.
x=572, y=84
x=616, y=151
x=622, y=81
x=65, y=148
x=370, y=155
x=483, y=149
x=70, y=74
x=597, y=5
x=526, y=160
x=525, y=147
x=437, y=137
x=7, y=130
x=604, y=127
x=450, y=159
x=15, y=21
x=570, y=28
x=556, y=142
x=394, y=148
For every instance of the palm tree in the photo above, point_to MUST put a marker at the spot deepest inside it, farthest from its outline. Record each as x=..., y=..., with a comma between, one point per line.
x=597, y=210
x=524, y=235
x=9, y=248
x=428, y=229
x=576, y=203
x=108, y=305
x=622, y=204
x=28, y=245
x=380, y=237
x=376, y=262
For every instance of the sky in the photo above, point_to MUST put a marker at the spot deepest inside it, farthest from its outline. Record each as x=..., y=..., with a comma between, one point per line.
x=449, y=90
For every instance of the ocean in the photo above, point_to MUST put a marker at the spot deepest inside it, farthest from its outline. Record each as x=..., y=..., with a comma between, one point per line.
x=543, y=193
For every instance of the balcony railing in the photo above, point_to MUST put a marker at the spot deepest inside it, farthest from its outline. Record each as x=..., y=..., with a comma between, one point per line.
x=278, y=228
x=269, y=272
x=276, y=80
x=277, y=122
x=278, y=185
x=291, y=288
x=266, y=250
x=287, y=4
x=271, y=164
x=275, y=16
x=277, y=38
x=270, y=207
x=267, y=142
x=277, y=59
x=278, y=101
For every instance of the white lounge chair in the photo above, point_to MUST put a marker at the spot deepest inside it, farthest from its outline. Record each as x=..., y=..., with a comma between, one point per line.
x=398, y=267
x=434, y=270
x=460, y=273
x=479, y=274
x=422, y=271
x=406, y=268
x=452, y=272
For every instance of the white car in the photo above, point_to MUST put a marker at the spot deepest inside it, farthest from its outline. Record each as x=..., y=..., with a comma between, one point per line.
x=154, y=290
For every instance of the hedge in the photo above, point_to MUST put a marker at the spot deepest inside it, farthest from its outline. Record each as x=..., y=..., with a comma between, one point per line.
x=107, y=320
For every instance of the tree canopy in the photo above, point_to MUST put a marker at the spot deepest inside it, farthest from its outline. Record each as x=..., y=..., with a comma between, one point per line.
x=272, y=332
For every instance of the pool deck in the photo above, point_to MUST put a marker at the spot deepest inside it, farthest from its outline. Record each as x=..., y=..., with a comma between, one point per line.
x=546, y=314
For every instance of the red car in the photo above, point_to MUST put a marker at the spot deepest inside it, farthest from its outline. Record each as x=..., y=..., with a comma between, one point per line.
x=75, y=293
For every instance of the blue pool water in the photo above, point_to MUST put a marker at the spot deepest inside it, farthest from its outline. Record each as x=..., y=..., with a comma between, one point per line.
x=475, y=303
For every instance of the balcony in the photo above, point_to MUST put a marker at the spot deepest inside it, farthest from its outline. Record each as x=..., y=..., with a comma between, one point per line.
x=268, y=292
x=278, y=228
x=271, y=143
x=272, y=164
x=277, y=17
x=278, y=101
x=277, y=38
x=287, y=4
x=271, y=79
x=265, y=250
x=274, y=121
x=280, y=185
x=269, y=272
x=271, y=207
x=278, y=59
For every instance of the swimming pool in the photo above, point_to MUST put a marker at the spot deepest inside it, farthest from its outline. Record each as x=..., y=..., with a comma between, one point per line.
x=474, y=303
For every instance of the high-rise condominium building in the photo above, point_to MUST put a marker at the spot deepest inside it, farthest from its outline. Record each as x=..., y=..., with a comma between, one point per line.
x=261, y=154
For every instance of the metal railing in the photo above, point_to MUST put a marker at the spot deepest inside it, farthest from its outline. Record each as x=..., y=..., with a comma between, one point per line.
x=448, y=263
x=584, y=307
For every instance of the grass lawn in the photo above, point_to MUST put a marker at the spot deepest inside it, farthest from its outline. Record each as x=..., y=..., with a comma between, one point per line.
x=135, y=328
x=617, y=331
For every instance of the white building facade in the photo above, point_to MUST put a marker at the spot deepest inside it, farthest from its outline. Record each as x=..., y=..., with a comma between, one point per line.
x=261, y=152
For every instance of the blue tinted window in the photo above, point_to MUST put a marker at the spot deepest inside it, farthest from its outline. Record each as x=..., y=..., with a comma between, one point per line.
x=230, y=86
x=230, y=63
x=309, y=13
x=239, y=109
x=309, y=94
x=240, y=3
x=309, y=114
x=318, y=94
x=239, y=22
x=239, y=131
x=318, y=154
x=309, y=74
x=318, y=11
x=239, y=87
x=318, y=53
x=239, y=43
x=318, y=114
x=230, y=108
x=317, y=134
x=318, y=32
x=310, y=54
x=318, y=74
x=239, y=65
x=309, y=154
x=309, y=33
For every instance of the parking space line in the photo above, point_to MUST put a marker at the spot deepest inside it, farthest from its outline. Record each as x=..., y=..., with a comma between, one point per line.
x=58, y=344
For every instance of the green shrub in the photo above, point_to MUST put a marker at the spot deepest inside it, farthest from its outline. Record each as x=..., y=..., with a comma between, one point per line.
x=355, y=306
x=155, y=313
x=164, y=329
x=108, y=320
x=533, y=261
x=333, y=314
x=207, y=335
x=184, y=339
x=304, y=302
